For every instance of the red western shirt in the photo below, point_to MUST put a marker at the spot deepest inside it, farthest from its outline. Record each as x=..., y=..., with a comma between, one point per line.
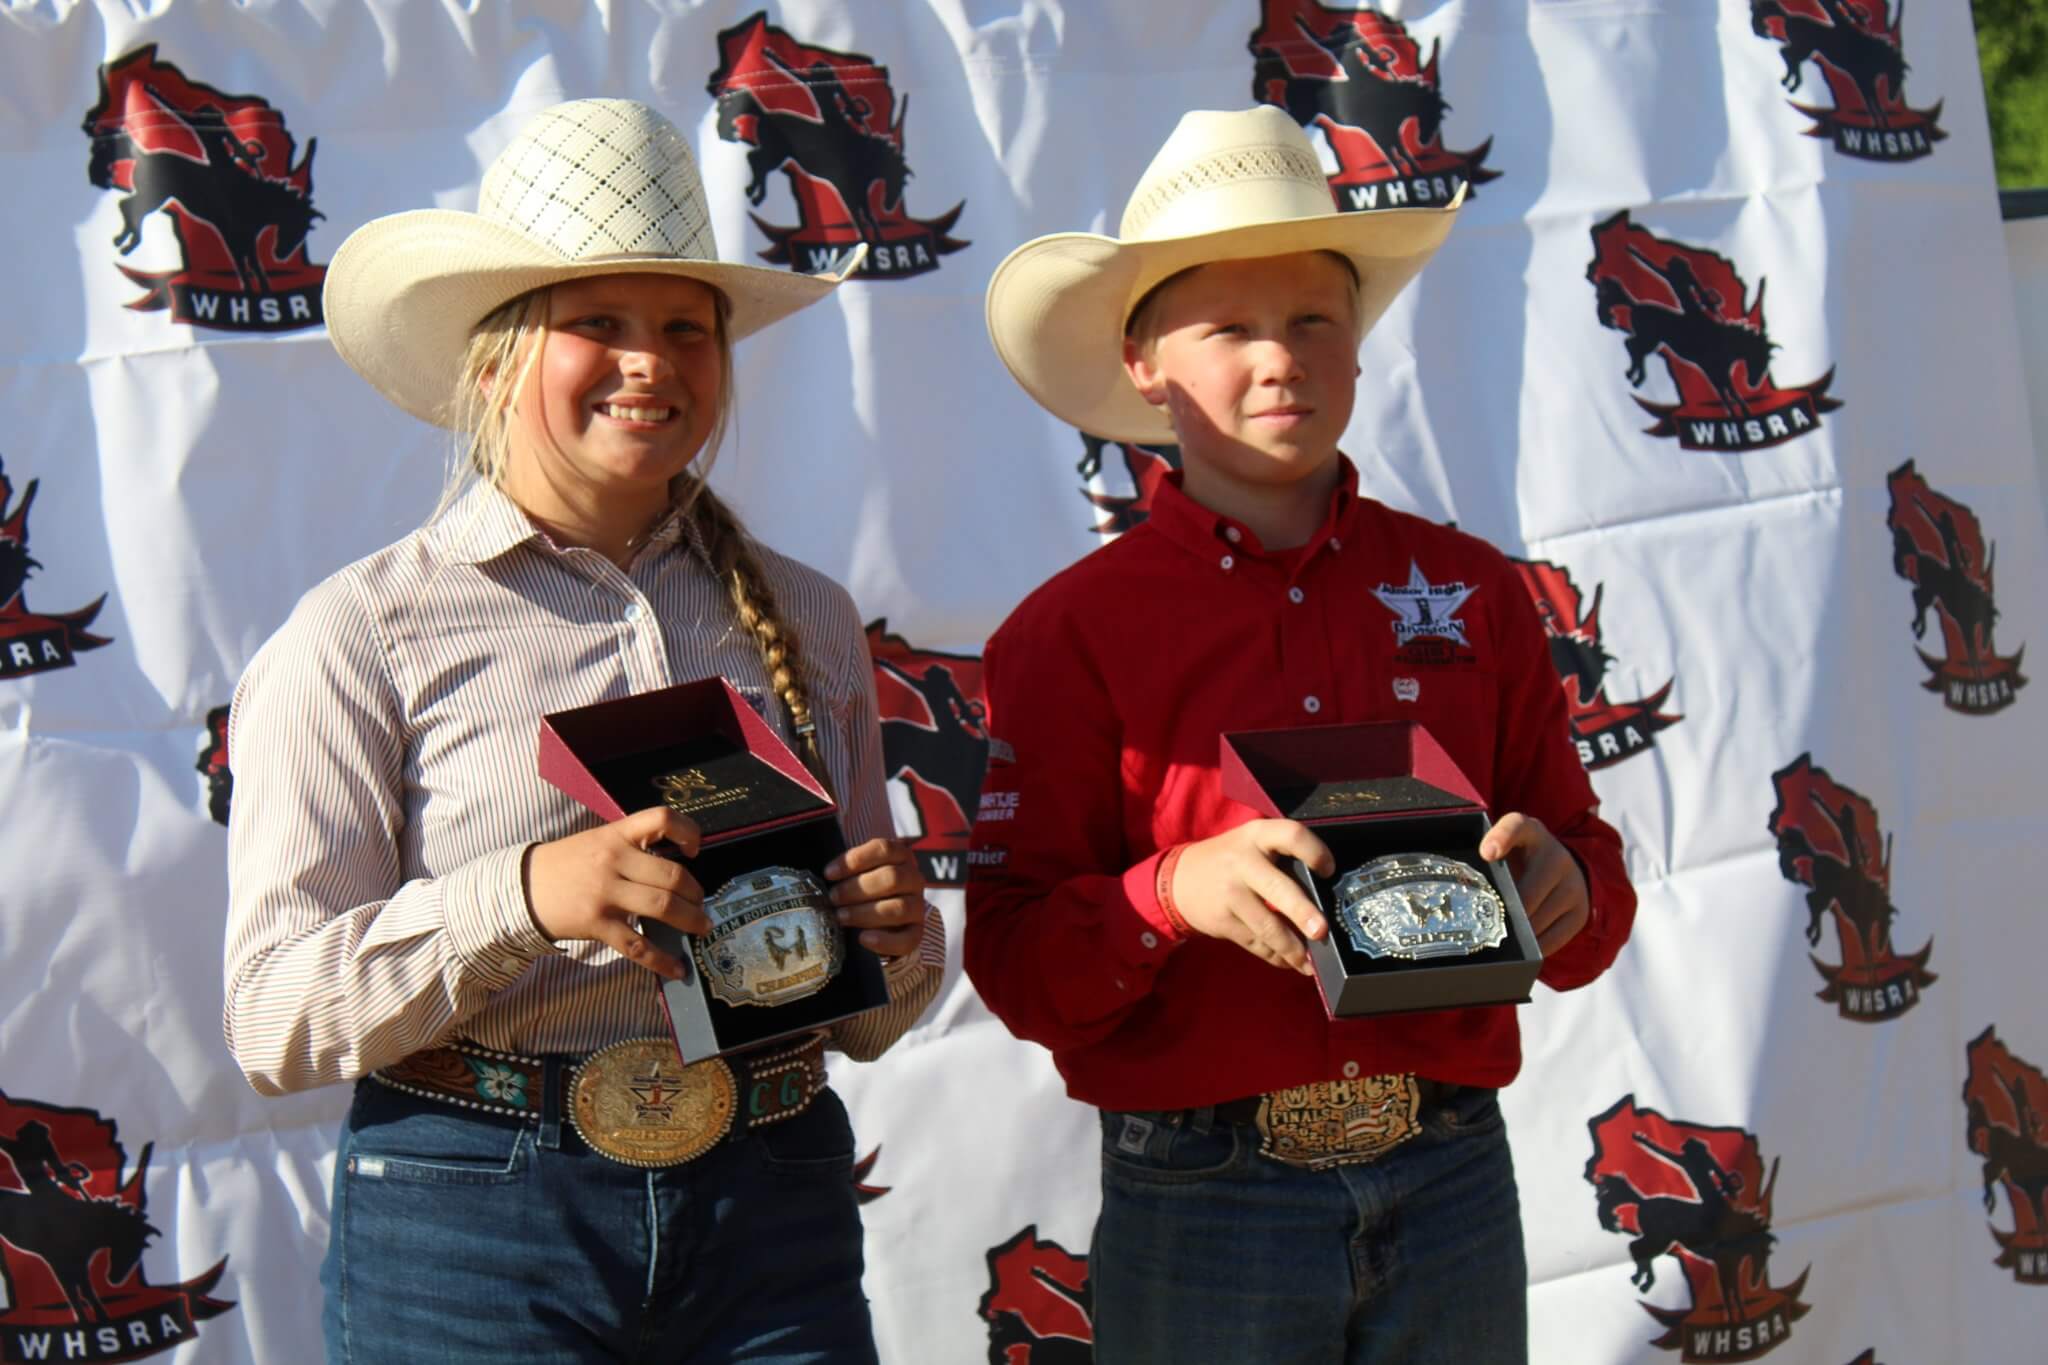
x=1108, y=689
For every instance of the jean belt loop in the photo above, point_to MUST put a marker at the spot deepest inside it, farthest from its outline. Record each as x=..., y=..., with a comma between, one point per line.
x=555, y=1084
x=1202, y=1120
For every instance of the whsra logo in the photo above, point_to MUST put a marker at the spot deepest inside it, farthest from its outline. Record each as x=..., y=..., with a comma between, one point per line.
x=1857, y=46
x=1145, y=466
x=213, y=765
x=935, y=747
x=1830, y=842
x=1605, y=731
x=1938, y=546
x=1689, y=307
x=1358, y=76
x=72, y=1233
x=30, y=641
x=1039, y=1308
x=832, y=122
x=1700, y=1195
x=2005, y=1102
x=219, y=168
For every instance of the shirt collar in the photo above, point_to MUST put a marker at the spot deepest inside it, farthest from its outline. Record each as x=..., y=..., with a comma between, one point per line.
x=484, y=523
x=1194, y=527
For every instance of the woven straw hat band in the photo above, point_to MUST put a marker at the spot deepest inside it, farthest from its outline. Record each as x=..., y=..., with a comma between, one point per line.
x=1263, y=169
x=594, y=179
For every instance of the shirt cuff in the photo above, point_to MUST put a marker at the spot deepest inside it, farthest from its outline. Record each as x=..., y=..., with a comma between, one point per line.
x=1149, y=933
x=483, y=903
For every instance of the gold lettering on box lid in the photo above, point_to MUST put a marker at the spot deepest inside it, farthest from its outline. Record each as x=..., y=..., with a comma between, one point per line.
x=689, y=791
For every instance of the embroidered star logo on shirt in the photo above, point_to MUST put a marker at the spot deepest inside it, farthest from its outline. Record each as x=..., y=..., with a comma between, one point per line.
x=1422, y=608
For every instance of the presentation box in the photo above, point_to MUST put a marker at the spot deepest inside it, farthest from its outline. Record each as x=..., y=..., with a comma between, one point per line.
x=776, y=962
x=1409, y=907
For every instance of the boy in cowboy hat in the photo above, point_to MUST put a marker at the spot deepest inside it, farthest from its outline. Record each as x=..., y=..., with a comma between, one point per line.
x=1126, y=914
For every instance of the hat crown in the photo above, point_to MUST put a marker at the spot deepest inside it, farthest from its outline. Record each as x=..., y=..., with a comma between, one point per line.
x=595, y=179
x=1227, y=169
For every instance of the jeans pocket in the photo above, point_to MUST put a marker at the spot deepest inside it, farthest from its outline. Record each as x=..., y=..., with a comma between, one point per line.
x=1145, y=1147
x=816, y=1144
x=1471, y=1111
x=400, y=1140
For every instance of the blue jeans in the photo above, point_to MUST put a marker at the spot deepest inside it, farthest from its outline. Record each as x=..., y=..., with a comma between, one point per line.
x=464, y=1238
x=1208, y=1251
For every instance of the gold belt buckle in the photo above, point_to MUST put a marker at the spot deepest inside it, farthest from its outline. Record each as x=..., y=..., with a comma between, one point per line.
x=637, y=1103
x=1339, y=1123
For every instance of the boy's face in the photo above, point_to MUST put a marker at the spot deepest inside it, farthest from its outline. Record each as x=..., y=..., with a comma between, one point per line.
x=1254, y=362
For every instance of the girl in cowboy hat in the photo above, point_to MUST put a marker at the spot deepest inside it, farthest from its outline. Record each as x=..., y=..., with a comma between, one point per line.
x=414, y=910
x=1277, y=1185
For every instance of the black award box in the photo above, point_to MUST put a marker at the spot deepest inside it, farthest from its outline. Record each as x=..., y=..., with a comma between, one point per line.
x=1417, y=919
x=776, y=962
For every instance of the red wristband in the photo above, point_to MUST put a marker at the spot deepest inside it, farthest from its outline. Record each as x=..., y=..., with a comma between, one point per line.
x=1163, y=887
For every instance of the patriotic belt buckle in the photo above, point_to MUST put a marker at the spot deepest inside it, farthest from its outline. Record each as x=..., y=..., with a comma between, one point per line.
x=1339, y=1123
x=773, y=938
x=637, y=1103
x=1419, y=906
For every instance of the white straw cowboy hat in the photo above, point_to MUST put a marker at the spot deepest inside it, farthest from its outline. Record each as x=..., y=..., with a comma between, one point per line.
x=591, y=187
x=1226, y=186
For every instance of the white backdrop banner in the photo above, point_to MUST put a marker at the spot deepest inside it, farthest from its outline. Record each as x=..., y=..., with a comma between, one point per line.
x=1723, y=350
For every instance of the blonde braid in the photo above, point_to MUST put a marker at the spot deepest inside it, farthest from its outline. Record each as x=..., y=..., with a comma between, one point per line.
x=736, y=562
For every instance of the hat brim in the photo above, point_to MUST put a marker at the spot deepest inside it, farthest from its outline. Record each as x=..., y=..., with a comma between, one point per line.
x=1056, y=306
x=403, y=292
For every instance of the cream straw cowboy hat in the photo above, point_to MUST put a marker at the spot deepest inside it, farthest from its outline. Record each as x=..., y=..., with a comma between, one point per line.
x=591, y=187
x=1226, y=186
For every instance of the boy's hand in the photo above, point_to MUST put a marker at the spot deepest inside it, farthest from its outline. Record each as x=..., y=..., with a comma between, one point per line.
x=879, y=890
x=1553, y=889
x=1229, y=887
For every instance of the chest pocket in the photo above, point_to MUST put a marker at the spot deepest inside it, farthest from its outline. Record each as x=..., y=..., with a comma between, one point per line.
x=1460, y=709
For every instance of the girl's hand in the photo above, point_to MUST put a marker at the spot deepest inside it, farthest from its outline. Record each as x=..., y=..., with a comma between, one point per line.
x=1547, y=876
x=1229, y=887
x=589, y=885
x=879, y=890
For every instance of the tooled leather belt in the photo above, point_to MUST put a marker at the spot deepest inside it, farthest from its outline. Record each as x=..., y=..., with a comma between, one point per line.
x=634, y=1102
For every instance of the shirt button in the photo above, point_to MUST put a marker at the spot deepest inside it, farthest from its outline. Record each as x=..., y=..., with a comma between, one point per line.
x=510, y=964
x=632, y=612
x=1350, y=1070
x=1228, y=561
x=1336, y=544
x=1232, y=534
x=1120, y=983
x=1311, y=704
x=1149, y=939
x=1295, y=595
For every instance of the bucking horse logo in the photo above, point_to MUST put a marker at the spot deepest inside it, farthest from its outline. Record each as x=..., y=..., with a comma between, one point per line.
x=31, y=641
x=220, y=169
x=72, y=1234
x=2005, y=1101
x=1361, y=78
x=1859, y=50
x=1939, y=547
x=1687, y=306
x=1144, y=466
x=1038, y=1308
x=1699, y=1195
x=1829, y=842
x=935, y=747
x=832, y=121
x=1605, y=731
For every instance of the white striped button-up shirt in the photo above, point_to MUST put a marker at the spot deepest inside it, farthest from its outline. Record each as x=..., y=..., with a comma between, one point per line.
x=383, y=746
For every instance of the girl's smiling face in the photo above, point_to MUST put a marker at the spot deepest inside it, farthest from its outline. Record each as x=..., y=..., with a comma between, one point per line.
x=625, y=389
